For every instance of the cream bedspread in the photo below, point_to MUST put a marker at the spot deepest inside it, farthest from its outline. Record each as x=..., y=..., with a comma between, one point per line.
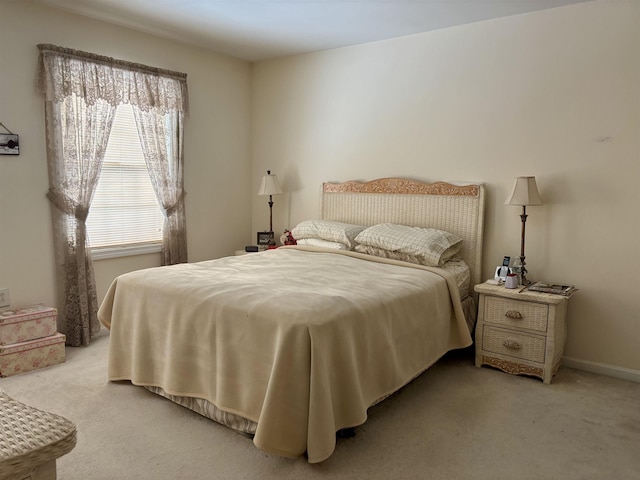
x=300, y=340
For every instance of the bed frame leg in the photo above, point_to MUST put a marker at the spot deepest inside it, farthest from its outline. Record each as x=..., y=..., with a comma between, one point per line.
x=346, y=433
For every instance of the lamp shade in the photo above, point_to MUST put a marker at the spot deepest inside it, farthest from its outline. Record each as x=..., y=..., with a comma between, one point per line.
x=269, y=185
x=524, y=192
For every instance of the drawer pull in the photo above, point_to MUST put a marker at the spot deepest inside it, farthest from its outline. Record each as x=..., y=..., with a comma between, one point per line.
x=512, y=344
x=513, y=314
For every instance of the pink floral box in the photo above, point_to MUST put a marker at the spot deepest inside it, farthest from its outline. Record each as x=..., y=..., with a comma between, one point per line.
x=31, y=355
x=28, y=323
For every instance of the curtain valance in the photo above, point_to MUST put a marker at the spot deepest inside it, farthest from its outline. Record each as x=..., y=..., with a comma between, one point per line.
x=63, y=72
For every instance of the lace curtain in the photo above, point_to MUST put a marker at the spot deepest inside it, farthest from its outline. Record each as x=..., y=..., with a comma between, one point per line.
x=81, y=92
x=165, y=163
x=72, y=181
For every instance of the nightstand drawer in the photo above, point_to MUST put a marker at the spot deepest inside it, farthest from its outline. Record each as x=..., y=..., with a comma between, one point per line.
x=513, y=344
x=514, y=313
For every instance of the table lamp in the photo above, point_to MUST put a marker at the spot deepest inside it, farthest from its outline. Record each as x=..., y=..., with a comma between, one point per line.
x=269, y=186
x=524, y=193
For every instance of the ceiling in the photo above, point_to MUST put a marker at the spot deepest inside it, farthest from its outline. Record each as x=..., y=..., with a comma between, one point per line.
x=262, y=29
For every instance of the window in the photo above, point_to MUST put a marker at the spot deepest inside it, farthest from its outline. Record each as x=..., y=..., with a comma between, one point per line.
x=125, y=217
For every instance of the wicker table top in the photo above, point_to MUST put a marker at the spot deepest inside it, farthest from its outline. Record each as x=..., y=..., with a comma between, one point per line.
x=520, y=294
x=30, y=437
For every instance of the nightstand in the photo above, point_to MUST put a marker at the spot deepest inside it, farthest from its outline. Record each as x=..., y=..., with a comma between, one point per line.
x=244, y=252
x=520, y=332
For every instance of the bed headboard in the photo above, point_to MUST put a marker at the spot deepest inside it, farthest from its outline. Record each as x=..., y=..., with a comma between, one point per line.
x=458, y=209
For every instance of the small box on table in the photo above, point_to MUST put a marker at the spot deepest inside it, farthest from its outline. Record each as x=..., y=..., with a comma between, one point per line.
x=27, y=323
x=31, y=355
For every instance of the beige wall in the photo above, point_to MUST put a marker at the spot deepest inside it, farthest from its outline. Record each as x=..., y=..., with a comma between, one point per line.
x=217, y=156
x=555, y=94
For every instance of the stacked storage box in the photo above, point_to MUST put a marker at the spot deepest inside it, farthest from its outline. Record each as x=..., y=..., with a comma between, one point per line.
x=29, y=339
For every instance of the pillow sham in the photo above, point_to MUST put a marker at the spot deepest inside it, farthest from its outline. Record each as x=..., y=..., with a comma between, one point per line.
x=381, y=252
x=327, y=230
x=318, y=242
x=426, y=246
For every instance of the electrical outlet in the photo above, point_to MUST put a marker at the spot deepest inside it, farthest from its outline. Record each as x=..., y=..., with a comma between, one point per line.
x=4, y=297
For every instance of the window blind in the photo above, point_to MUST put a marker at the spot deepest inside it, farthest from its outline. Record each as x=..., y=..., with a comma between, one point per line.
x=124, y=210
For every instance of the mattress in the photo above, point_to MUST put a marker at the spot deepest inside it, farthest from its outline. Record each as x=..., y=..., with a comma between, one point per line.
x=460, y=272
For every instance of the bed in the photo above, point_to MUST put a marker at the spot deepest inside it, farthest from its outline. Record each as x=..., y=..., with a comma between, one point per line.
x=295, y=344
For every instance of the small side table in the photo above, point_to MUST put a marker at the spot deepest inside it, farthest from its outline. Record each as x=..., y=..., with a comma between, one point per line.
x=32, y=440
x=520, y=332
x=244, y=252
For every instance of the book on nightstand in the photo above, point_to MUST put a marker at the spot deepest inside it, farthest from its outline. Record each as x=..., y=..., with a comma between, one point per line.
x=554, y=288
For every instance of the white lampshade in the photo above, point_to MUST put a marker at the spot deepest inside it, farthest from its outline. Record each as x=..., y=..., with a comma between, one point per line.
x=269, y=185
x=524, y=192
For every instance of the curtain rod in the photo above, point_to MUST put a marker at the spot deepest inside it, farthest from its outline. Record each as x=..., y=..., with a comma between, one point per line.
x=93, y=57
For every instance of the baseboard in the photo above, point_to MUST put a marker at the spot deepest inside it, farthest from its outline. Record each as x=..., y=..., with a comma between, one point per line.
x=602, y=369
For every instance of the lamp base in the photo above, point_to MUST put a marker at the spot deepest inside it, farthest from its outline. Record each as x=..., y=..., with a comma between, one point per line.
x=520, y=269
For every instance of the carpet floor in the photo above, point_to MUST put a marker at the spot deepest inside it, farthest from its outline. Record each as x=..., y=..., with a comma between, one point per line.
x=453, y=422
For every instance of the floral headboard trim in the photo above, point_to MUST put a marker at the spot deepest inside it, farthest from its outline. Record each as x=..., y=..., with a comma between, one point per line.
x=402, y=186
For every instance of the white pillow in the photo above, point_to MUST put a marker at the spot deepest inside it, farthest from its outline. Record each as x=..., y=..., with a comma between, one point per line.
x=318, y=242
x=327, y=230
x=427, y=246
